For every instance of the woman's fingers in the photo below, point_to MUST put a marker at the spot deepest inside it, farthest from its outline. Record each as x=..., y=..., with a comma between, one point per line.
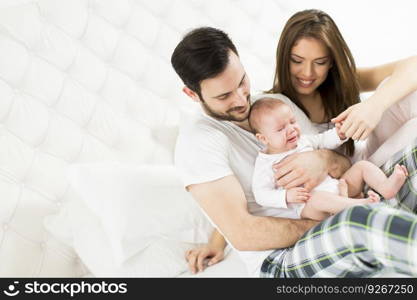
x=346, y=125
x=358, y=133
x=365, y=134
x=352, y=130
x=342, y=116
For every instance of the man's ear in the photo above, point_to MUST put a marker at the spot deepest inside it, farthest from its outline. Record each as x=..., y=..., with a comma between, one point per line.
x=261, y=138
x=190, y=93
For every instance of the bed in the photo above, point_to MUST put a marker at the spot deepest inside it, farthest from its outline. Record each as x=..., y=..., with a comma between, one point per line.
x=80, y=83
x=89, y=114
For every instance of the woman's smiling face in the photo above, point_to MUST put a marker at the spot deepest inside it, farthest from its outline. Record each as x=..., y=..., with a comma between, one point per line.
x=310, y=62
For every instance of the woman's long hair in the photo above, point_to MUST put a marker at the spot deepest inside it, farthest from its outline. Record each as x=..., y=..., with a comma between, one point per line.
x=341, y=87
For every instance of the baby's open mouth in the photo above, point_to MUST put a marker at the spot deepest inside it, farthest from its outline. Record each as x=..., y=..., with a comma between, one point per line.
x=292, y=140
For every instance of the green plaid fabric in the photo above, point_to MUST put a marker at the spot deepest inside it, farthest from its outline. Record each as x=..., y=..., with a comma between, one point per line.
x=359, y=241
x=406, y=197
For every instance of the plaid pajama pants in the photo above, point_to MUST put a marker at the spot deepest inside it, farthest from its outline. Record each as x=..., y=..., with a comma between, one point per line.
x=359, y=241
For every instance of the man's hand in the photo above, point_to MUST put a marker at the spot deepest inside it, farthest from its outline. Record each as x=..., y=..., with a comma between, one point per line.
x=224, y=202
x=196, y=257
x=309, y=169
x=306, y=169
x=297, y=195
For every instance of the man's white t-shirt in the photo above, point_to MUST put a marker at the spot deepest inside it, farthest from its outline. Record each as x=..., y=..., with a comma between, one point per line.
x=208, y=149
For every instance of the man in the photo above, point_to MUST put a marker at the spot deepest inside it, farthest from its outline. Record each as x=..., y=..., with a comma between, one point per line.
x=215, y=156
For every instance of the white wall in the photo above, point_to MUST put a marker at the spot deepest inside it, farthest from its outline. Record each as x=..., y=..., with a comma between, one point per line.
x=376, y=31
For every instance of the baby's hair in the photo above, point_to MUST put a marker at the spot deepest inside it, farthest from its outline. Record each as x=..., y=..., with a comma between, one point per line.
x=259, y=108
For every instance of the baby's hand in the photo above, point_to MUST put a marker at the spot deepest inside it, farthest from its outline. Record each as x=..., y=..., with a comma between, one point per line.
x=297, y=195
x=338, y=126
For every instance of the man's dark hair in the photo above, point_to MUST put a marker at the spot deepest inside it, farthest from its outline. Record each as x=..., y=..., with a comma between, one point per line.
x=203, y=53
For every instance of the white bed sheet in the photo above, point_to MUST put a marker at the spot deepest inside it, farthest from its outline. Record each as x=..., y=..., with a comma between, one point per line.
x=231, y=267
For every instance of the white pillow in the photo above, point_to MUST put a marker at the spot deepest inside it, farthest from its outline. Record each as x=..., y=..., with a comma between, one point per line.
x=162, y=258
x=137, y=205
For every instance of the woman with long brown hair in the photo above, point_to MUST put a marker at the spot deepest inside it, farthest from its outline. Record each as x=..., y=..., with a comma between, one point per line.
x=316, y=70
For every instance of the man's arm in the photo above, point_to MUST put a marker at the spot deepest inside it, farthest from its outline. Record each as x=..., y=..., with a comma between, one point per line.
x=224, y=202
x=310, y=168
x=213, y=251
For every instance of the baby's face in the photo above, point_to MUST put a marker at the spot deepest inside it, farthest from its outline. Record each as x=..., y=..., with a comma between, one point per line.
x=279, y=130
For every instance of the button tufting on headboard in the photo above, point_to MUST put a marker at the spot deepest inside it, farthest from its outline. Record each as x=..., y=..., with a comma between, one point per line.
x=91, y=80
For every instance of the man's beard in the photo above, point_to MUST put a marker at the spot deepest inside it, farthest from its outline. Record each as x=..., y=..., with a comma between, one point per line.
x=228, y=115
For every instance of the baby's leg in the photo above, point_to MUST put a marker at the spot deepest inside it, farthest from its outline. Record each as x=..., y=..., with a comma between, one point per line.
x=322, y=204
x=364, y=171
x=343, y=188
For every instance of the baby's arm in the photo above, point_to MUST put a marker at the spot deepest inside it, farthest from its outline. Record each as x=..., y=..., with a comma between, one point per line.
x=329, y=139
x=266, y=194
x=263, y=186
x=278, y=197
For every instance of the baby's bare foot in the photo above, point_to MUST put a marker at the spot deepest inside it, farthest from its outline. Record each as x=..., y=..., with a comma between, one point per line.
x=343, y=188
x=393, y=184
x=373, y=197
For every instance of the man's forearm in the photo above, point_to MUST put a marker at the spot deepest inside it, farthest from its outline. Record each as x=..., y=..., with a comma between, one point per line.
x=266, y=233
x=217, y=240
x=337, y=163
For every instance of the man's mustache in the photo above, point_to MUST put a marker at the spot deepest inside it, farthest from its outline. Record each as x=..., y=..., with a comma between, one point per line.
x=235, y=109
x=238, y=107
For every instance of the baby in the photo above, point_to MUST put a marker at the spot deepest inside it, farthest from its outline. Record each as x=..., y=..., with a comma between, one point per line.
x=274, y=125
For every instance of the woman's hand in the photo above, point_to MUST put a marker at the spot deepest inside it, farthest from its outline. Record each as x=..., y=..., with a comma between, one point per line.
x=306, y=169
x=359, y=120
x=196, y=257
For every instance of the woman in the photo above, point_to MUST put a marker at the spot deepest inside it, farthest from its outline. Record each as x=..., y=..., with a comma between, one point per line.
x=315, y=69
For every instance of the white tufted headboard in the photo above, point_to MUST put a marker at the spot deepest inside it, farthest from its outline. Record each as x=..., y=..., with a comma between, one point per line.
x=91, y=80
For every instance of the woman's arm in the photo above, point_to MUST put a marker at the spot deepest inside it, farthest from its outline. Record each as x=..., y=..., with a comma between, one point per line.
x=370, y=78
x=360, y=119
x=402, y=81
